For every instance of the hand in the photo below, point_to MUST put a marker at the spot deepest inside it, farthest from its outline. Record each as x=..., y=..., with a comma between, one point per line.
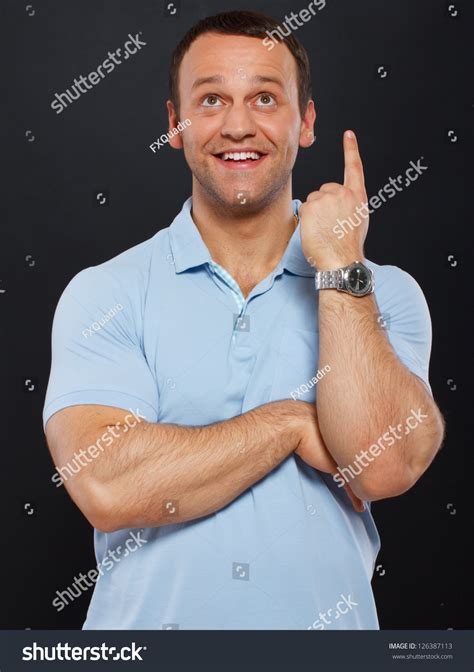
x=326, y=243
x=312, y=449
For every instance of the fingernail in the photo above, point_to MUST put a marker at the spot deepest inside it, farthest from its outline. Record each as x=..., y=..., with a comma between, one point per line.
x=350, y=135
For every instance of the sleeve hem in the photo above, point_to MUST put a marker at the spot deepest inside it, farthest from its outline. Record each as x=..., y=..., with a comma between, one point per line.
x=102, y=398
x=417, y=370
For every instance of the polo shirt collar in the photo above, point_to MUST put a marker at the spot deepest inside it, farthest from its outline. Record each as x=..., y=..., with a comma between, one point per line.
x=189, y=250
x=293, y=258
x=187, y=246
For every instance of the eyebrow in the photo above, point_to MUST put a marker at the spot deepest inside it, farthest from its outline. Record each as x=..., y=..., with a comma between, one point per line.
x=219, y=79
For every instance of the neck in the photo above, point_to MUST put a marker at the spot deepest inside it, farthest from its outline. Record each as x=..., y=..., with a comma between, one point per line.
x=246, y=243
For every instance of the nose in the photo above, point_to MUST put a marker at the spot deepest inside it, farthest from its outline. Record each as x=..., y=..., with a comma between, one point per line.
x=238, y=122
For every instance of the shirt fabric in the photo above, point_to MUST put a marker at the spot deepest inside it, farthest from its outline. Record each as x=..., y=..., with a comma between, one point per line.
x=186, y=347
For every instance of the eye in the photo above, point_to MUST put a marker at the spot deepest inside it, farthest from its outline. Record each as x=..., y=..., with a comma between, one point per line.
x=214, y=99
x=267, y=99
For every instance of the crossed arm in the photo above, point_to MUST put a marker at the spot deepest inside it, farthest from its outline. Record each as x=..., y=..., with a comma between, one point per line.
x=155, y=474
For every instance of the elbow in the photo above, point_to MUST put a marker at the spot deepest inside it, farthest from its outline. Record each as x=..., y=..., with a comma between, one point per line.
x=385, y=479
x=96, y=504
x=384, y=487
x=394, y=478
x=105, y=522
x=424, y=450
x=378, y=480
x=105, y=517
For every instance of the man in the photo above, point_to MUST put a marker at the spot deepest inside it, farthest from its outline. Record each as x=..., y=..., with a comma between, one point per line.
x=244, y=490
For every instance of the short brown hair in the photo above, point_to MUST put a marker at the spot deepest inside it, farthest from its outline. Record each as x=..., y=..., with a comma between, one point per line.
x=251, y=24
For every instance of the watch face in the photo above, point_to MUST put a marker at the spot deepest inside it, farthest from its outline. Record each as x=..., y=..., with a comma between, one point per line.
x=358, y=279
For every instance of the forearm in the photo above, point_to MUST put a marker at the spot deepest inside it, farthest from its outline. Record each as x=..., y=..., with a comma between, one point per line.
x=161, y=473
x=367, y=391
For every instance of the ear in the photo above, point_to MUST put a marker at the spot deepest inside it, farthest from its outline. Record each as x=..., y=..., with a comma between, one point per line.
x=307, y=136
x=176, y=141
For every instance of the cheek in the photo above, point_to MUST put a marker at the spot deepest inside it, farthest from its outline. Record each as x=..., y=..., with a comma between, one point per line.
x=190, y=144
x=199, y=137
x=284, y=134
x=289, y=151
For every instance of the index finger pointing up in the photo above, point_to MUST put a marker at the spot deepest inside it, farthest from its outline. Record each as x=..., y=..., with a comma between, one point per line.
x=353, y=169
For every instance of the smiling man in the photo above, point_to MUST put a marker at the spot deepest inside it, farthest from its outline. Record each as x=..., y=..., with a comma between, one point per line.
x=246, y=297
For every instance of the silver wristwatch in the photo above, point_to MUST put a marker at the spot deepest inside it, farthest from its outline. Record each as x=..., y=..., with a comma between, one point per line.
x=355, y=279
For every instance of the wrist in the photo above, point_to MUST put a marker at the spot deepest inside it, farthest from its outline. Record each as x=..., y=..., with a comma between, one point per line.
x=334, y=261
x=289, y=423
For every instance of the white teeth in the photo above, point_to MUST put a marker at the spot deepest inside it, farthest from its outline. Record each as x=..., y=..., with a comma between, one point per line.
x=240, y=156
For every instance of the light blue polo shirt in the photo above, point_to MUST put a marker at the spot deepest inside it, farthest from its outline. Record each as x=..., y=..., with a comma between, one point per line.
x=182, y=345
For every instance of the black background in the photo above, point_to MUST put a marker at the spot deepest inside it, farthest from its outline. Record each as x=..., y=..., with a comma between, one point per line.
x=53, y=228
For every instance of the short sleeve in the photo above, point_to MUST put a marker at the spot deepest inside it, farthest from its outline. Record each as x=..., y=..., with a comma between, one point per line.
x=97, y=348
x=405, y=314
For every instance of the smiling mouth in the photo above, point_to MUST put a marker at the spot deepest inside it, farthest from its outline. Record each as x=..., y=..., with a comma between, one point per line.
x=240, y=159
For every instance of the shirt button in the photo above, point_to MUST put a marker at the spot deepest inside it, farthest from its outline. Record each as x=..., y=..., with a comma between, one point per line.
x=241, y=322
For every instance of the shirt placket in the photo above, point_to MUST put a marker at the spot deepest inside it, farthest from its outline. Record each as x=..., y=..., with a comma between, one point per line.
x=240, y=319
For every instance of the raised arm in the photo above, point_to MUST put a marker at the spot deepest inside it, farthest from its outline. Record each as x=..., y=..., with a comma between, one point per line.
x=370, y=386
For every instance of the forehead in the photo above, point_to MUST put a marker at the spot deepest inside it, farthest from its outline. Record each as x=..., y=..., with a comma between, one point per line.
x=238, y=57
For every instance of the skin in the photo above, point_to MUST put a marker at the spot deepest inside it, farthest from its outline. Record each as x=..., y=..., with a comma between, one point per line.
x=204, y=468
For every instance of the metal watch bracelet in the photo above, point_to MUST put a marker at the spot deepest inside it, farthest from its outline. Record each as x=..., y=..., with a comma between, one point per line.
x=329, y=279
